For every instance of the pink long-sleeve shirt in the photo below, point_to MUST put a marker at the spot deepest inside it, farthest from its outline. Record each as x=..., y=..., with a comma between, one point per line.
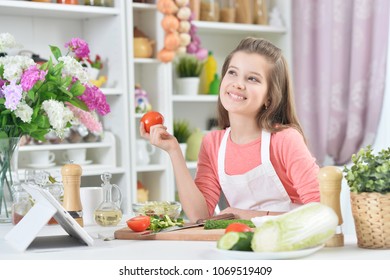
x=290, y=157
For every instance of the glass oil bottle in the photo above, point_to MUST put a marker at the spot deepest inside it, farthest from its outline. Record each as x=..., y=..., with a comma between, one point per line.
x=108, y=213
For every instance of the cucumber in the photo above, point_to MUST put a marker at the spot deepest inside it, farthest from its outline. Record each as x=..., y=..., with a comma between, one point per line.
x=222, y=224
x=236, y=241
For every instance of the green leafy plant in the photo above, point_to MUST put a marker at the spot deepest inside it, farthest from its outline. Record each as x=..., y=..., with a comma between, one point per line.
x=181, y=130
x=369, y=172
x=97, y=63
x=188, y=66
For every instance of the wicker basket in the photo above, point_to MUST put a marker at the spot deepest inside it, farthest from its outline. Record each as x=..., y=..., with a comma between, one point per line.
x=371, y=213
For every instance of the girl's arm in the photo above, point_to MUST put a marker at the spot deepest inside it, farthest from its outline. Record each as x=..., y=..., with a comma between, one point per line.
x=192, y=200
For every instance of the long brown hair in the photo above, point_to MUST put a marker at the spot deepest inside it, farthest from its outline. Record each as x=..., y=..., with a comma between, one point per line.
x=281, y=108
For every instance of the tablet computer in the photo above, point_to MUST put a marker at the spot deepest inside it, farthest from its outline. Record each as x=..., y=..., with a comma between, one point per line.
x=45, y=207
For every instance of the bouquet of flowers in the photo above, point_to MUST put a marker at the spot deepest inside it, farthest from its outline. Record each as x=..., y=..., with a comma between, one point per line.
x=37, y=99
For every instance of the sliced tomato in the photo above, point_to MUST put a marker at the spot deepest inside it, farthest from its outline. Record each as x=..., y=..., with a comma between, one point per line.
x=138, y=223
x=152, y=118
x=238, y=227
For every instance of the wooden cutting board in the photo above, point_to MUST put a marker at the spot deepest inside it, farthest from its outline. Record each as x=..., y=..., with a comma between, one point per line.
x=193, y=234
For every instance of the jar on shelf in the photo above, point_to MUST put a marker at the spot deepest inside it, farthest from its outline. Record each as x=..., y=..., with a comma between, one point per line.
x=244, y=12
x=227, y=11
x=260, y=12
x=209, y=10
x=69, y=2
x=195, y=8
x=101, y=3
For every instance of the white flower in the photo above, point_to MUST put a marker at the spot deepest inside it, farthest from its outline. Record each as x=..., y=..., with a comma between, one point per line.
x=58, y=115
x=15, y=65
x=73, y=68
x=24, y=112
x=7, y=41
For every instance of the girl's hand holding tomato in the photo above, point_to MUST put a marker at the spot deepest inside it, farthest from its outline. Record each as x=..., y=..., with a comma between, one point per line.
x=151, y=118
x=152, y=128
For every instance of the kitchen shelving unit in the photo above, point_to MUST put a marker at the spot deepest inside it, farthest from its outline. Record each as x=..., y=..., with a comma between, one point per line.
x=109, y=32
x=36, y=25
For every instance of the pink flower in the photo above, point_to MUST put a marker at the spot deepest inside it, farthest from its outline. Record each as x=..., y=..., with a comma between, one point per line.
x=95, y=100
x=79, y=47
x=86, y=118
x=31, y=76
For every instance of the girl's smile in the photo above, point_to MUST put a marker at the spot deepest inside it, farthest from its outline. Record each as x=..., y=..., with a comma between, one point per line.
x=244, y=86
x=236, y=96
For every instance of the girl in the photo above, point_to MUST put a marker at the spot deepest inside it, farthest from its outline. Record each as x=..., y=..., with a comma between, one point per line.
x=259, y=160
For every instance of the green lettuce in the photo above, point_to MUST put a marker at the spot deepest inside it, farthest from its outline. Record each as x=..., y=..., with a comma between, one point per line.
x=309, y=225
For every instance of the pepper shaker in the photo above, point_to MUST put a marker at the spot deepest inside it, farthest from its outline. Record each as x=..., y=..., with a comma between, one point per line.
x=330, y=187
x=71, y=179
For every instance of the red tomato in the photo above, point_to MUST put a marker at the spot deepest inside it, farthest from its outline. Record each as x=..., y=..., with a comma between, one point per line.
x=237, y=227
x=138, y=223
x=152, y=118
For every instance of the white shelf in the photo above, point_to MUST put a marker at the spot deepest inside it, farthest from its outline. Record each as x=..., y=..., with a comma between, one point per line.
x=112, y=91
x=146, y=61
x=236, y=28
x=192, y=164
x=67, y=146
x=144, y=6
x=53, y=10
x=88, y=170
x=151, y=167
x=107, y=142
x=196, y=98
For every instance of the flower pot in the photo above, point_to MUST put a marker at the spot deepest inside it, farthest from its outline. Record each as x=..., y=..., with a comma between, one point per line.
x=194, y=142
x=371, y=214
x=187, y=86
x=9, y=148
x=93, y=73
x=183, y=148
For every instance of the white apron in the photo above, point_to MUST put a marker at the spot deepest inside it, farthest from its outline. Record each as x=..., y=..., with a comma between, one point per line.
x=258, y=189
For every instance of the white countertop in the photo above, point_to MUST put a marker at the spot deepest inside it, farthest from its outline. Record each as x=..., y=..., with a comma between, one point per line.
x=155, y=249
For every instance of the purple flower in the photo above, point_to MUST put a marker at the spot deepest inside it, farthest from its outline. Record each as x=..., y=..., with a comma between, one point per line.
x=95, y=100
x=79, y=47
x=13, y=95
x=192, y=48
x=201, y=53
x=31, y=76
x=2, y=83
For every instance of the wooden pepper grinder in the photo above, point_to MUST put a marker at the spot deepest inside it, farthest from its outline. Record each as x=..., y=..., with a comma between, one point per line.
x=71, y=179
x=330, y=187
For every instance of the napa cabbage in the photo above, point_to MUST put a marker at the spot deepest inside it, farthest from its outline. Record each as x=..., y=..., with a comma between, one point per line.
x=307, y=226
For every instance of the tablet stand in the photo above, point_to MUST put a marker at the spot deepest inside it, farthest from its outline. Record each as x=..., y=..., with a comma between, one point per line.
x=45, y=207
x=28, y=228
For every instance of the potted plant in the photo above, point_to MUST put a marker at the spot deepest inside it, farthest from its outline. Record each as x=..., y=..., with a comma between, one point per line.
x=94, y=66
x=369, y=181
x=188, y=70
x=182, y=131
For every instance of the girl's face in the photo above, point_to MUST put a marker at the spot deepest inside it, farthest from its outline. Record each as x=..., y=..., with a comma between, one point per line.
x=244, y=87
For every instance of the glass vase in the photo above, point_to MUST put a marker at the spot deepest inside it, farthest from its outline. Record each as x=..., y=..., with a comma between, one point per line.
x=9, y=149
